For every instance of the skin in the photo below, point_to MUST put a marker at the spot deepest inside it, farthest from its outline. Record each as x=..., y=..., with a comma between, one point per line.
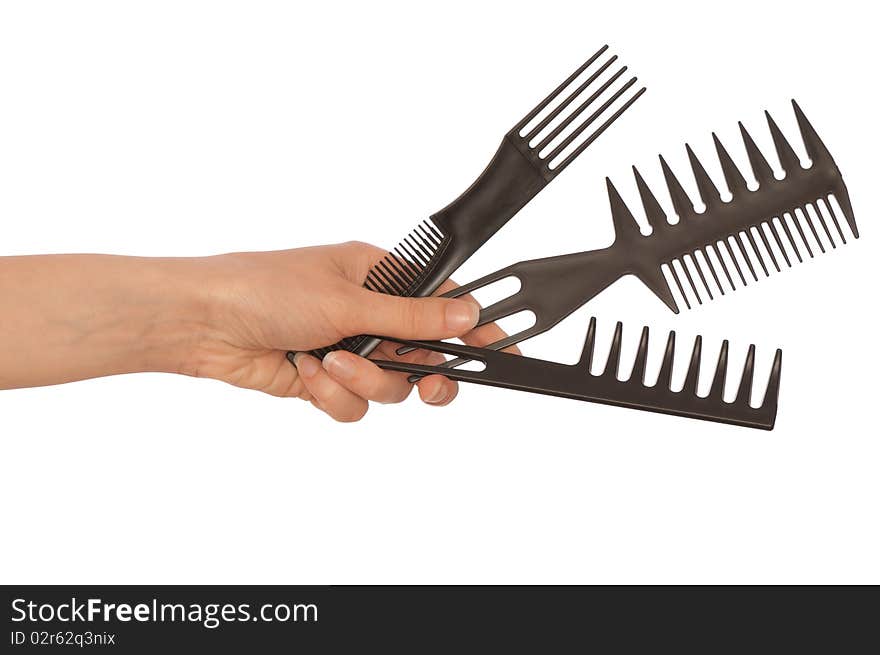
x=229, y=317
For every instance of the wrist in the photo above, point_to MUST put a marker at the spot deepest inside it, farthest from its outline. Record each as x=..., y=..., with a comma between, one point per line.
x=182, y=303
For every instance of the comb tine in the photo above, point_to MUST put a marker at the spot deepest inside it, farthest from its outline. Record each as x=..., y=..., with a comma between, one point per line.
x=787, y=156
x=415, y=257
x=678, y=283
x=559, y=89
x=745, y=254
x=395, y=265
x=567, y=141
x=586, y=358
x=426, y=249
x=775, y=234
x=378, y=284
x=390, y=273
x=723, y=266
x=760, y=168
x=736, y=183
x=742, y=248
x=641, y=361
x=767, y=247
x=580, y=109
x=711, y=267
x=664, y=379
x=405, y=263
x=565, y=103
x=693, y=372
x=743, y=396
x=735, y=262
x=682, y=203
x=790, y=237
x=654, y=280
x=690, y=279
x=816, y=150
x=403, y=272
x=653, y=211
x=429, y=236
x=398, y=289
x=708, y=191
x=700, y=273
x=771, y=396
x=797, y=225
x=809, y=220
x=624, y=222
x=370, y=285
x=604, y=126
x=843, y=200
x=717, y=388
x=612, y=366
x=756, y=251
x=818, y=211
x=827, y=202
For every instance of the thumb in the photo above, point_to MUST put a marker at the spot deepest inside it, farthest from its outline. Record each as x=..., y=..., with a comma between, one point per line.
x=411, y=318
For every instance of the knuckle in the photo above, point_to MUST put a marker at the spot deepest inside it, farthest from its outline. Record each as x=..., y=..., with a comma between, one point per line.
x=410, y=316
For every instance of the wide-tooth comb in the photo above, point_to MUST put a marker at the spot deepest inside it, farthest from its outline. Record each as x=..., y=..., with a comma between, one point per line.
x=578, y=382
x=554, y=287
x=537, y=149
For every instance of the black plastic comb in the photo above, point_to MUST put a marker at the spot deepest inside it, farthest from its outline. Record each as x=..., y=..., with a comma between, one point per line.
x=554, y=287
x=578, y=382
x=524, y=164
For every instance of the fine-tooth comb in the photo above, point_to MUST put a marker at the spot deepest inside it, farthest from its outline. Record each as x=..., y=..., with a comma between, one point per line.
x=554, y=287
x=578, y=382
x=524, y=164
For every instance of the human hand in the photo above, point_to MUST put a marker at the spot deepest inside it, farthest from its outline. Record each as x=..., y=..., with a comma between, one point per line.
x=270, y=302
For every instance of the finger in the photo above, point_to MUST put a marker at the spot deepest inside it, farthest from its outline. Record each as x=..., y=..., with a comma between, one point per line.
x=330, y=396
x=409, y=318
x=488, y=334
x=363, y=378
x=388, y=350
x=435, y=390
x=483, y=335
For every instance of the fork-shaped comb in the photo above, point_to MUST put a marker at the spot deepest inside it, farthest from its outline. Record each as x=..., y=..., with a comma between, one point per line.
x=537, y=149
x=578, y=382
x=554, y=287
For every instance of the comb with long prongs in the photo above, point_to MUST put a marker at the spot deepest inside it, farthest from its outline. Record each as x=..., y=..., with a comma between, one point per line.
x=537, y=149
x=554, y=287
x=578, y=382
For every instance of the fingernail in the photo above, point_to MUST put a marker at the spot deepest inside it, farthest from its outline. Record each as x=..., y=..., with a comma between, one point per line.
x=307, y=366
x=439, y=396
x=461, y=316
x=338, y=365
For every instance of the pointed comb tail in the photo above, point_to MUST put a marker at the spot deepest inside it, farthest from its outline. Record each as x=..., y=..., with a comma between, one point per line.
x=625, y=226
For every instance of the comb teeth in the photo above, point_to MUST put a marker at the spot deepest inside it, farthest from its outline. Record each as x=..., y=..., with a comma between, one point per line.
x=699, y=253
x=399, y=273
x=692, y=377
x=554, y=140
x=577, y=381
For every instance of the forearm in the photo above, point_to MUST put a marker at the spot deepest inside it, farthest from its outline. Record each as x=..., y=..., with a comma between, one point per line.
x=71, y=317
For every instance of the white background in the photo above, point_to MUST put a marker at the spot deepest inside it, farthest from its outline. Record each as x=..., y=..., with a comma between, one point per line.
x=184, y=128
